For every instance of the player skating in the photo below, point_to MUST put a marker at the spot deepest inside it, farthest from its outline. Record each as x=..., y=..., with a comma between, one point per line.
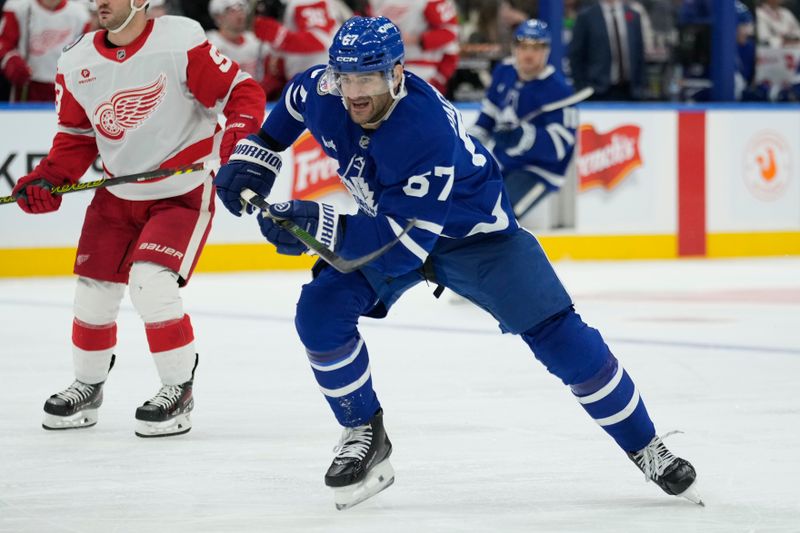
x=404, y=154
x=145, y=94
x=529, y=116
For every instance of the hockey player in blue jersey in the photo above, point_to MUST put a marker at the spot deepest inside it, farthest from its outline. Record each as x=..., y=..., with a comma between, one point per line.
x=404, y=154
x=529, y=115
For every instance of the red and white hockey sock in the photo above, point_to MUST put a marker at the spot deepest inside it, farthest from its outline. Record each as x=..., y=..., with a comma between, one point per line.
x=92, y=346
x=172, y=345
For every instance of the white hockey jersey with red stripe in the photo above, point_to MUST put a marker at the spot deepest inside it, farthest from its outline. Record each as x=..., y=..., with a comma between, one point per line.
x=151, y=104
x=435, y=23
x=248, y=51
x=39, y=34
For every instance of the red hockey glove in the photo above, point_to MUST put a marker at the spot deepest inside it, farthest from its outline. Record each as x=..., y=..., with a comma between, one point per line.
x=237, y=128
x=15, y=69
x=33, y=195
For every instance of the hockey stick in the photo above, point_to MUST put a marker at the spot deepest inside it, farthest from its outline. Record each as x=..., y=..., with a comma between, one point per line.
x=579, y=96
x=336, y=261
x=130, y=178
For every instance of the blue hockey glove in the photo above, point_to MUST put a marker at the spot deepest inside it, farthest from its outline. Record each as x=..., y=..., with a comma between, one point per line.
x=320, y=220
x=515, y=141
x=253, y=166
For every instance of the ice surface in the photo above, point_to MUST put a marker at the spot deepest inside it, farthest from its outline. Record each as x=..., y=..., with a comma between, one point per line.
x=484, y=438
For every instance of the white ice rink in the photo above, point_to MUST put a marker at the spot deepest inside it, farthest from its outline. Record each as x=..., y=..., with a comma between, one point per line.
x=485, y=440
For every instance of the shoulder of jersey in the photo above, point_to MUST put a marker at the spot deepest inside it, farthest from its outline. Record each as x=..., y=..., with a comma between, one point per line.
x=421, y=104
x=76, y=49
x=16, y=5
x=183, y=31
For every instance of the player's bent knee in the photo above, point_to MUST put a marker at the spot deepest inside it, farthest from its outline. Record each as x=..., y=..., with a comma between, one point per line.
x=155, y=292
x=322, y=320
x=568, y=347
x=97, y=302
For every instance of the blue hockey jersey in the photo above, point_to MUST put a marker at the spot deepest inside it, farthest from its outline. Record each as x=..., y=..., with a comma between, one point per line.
x=420, y=164
x=509, y=102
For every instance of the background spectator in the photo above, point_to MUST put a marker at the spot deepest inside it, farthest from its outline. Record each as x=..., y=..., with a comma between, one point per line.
x=33, y=34
x=607, y=51
x=777, y=26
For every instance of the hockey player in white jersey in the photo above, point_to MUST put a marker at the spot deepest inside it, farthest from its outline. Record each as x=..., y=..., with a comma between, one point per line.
x=406, y=158
x=430, y=34
x=145, y=94
x=530, y=119
x=32, y=35
x=232, y=37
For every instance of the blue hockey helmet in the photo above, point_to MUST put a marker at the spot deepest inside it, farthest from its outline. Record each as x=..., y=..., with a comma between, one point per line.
x=366, y=44
x=743, y=15
x=532, y=30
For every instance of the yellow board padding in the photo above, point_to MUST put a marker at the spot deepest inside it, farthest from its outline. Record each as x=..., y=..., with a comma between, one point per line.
x=27, y=262
x=602, y=247
x=242, y=257
x=752, y=244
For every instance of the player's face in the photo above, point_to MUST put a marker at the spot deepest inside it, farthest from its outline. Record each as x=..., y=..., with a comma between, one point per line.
x=112, y=13
x=531, y=58
x=366, y=95
x=234, y=19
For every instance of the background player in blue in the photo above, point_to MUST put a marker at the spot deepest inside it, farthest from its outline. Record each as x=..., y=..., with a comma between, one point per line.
x=533, y=146
x=404, y=154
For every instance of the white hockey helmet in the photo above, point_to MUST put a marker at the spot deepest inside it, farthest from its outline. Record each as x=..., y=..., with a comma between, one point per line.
x=218, y=7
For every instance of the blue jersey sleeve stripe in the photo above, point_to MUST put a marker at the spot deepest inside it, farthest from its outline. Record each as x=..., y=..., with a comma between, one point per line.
x=410, y=244
x=491, y=110
x=429, y=226
x=557, y=180
x=500, y=223
x=559, y=134
x=289, y=95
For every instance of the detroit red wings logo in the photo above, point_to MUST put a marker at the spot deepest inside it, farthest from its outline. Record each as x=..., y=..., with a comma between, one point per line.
x=129, y=108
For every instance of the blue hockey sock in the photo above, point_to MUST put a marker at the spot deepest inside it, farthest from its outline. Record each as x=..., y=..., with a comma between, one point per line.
x=576, y=354
x=344, y=378
x=613, y=401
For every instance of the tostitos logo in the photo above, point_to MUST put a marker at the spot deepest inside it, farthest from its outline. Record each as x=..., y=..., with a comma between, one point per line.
x=605, y=159
x=129, y=108
x=767, y=167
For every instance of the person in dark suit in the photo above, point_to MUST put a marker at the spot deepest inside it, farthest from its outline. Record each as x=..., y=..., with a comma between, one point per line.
x=607, y=51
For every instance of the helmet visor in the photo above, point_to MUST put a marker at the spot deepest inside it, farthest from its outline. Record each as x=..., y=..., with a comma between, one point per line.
x=359, y=84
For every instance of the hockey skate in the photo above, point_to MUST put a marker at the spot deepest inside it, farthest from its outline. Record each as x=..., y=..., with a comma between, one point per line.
x=674, y=475
x=168, y=412
x=76, y=406
x=361, y=468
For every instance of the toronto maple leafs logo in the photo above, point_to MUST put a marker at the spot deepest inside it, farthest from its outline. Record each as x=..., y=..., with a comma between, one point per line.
x=353, y=179
x=129, y=108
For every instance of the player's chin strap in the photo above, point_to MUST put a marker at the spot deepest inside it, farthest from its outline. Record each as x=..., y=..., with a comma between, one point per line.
x=132, y=14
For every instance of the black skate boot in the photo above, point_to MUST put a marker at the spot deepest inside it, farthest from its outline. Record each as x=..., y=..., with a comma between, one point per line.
x=674, y=475
x=168, y=412
x=76, y=406
x=361, y=468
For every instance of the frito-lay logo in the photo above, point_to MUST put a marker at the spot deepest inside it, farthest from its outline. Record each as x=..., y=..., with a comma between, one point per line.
x=605, y=159
x=767, y=165
x=314, y=172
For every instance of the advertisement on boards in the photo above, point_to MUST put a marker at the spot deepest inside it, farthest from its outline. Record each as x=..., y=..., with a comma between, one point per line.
x=626, y=167
x=753, y=165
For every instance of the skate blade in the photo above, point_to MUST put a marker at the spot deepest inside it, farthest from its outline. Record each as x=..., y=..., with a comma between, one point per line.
x=692, y=495
x=380, y=477
x=82, y=419
x=178, y=425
